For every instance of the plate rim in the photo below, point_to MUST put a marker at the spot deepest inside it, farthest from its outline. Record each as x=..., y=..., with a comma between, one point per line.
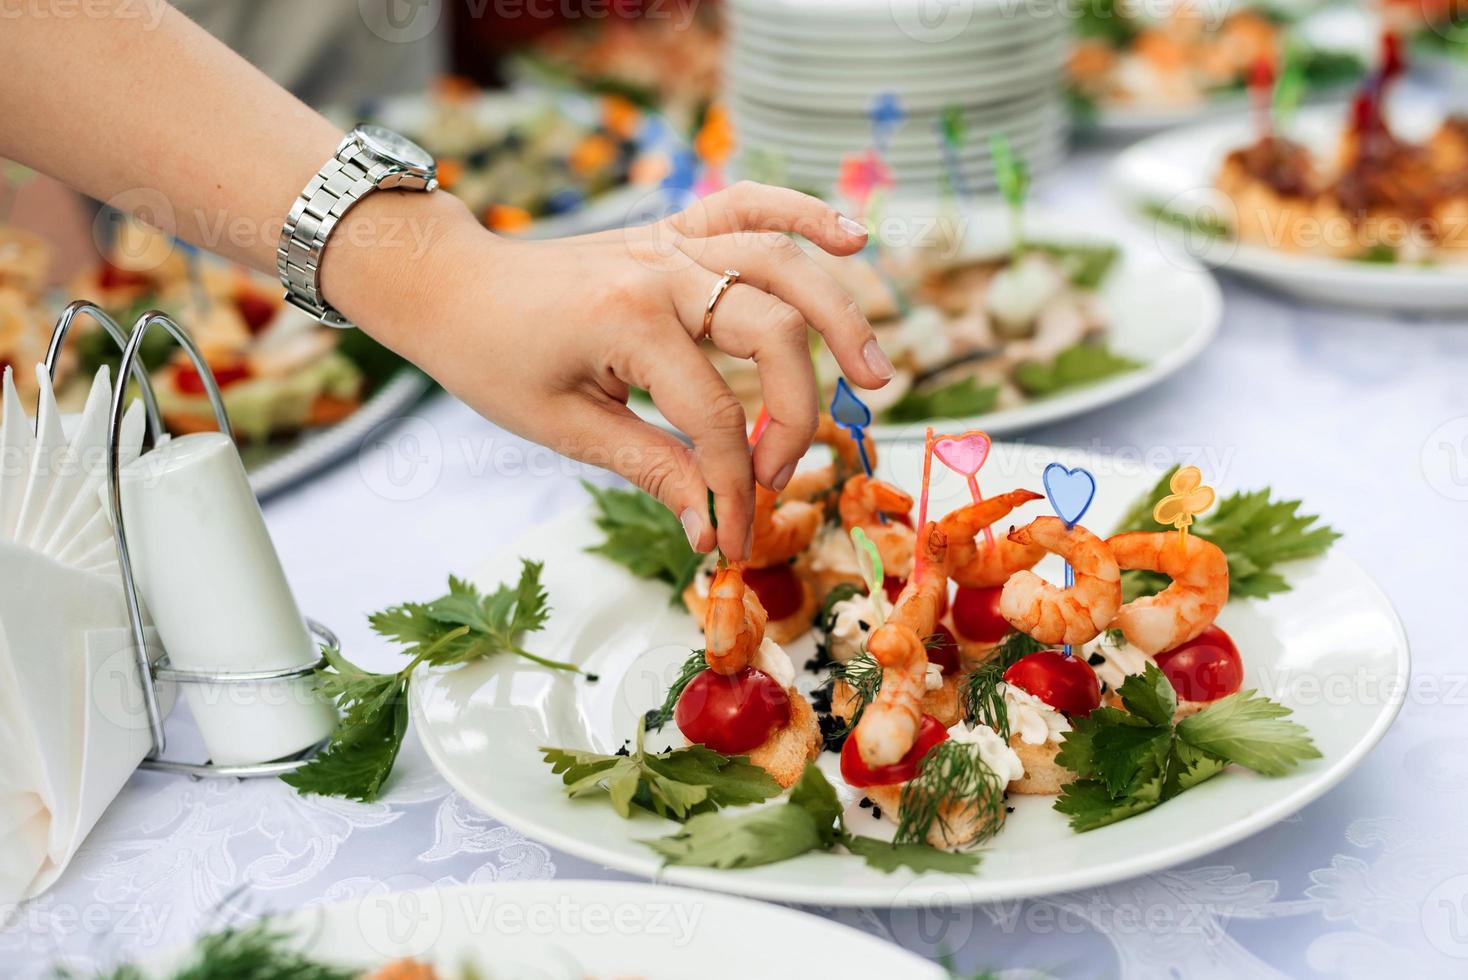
x=923, y=890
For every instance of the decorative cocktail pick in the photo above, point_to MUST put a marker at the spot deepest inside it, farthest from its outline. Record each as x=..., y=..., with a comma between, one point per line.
x=761, y=423
x=1012, y=174
x=677, y=185
x=852, y=414
x=862, y=175
x=1189, y=498
x=869, y=563
x=1289, y=90
x=1071, y=492
x=887, y=116
x=965, y=455
x=927, y=479
x=951, y=133
x=1261, y=91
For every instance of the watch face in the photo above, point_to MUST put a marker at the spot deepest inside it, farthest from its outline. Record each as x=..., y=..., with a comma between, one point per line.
x=398, y=148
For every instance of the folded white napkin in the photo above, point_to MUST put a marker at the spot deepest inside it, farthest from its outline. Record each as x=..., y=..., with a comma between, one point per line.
x=72, y=724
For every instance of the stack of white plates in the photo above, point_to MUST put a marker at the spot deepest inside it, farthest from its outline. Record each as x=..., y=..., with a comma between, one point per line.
x=801, y=78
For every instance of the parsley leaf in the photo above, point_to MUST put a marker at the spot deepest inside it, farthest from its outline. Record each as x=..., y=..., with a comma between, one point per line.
x=1085, y=265
x=676, y=784
x=957, y=400
x=1250, y=731
x=643, y=536
x=810, y=820
x=1127, y=762
x=456, y=628
x=1254, y=530
x=1081, y=364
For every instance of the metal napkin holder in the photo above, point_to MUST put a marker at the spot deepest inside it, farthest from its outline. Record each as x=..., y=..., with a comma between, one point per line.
x=151, y=672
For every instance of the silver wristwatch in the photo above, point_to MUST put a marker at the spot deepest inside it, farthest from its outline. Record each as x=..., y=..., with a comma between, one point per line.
x=371, y=158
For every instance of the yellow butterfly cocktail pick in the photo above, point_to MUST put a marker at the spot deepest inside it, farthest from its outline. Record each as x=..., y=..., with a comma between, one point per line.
x=1188, y=499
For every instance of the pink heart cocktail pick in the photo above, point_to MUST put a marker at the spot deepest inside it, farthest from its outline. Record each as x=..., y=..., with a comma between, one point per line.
x=966, y=454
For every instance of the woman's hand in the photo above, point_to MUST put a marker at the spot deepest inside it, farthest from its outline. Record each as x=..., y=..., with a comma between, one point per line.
x=546, y=338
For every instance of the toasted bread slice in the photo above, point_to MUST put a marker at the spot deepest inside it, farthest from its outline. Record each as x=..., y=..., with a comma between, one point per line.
x=960, y=824
x=1043, y=775
x=943, y=704
x=785, y=753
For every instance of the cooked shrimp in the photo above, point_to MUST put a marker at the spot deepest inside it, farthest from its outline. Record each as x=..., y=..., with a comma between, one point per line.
x=781, y=532
x=810, y=485
x=1199, y=573
x=1054, y=615
x=987, y=565
x=889, y=726
x=734, y=625
x=920, y=603
x=864, y=501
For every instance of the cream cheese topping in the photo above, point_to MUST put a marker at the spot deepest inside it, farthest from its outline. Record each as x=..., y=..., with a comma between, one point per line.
x=996, y=753
x=1118, y=662
x=852, y=622
x=832, y=551
x=773, y=660
x=1034, y=721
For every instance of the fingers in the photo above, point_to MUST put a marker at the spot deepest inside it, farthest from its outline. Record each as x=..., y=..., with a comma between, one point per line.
x=775, y=263
x=747, y=206
x=654, y=461
x=691, y=394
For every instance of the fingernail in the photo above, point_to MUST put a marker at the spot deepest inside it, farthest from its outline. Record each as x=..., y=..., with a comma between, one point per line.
x=783, y=477
x=877, y=360
x=692, y=522
x=851, y=227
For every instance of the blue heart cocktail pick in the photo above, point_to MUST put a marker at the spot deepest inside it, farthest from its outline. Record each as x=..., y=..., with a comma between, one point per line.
x=852, y=414
x=1071, y=492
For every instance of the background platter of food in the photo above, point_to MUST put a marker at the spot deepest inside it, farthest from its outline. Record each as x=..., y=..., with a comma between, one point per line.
x=299, y=394
x=1195, y=187
x=999, y=331
x=533, y=164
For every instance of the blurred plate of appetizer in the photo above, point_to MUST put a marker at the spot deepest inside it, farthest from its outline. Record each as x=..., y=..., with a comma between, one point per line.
x=718, y=726
x=986, y=333
x=1361, y=205
x=1133, y=72
x=299, y=395
x=533, y=164
x=547, y=929
x=668, y=63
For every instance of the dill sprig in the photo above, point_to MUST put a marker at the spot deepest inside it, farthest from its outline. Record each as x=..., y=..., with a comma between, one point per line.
x=657, y=717
x=259, y=952
x=982, y=699
x=951, y=777
x=864, y=675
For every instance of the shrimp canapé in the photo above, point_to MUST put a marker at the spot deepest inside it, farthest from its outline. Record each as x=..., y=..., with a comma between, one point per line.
x=1180, y=612
x=1055, y=615
x=889, y=726
x=746, y=702
x=826, y=481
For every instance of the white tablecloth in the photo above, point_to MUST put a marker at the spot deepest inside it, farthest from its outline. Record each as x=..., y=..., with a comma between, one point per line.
x=1363, y=415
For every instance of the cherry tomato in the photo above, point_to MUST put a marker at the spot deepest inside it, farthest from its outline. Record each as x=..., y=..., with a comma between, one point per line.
x=1205, y=668
x=857, y=773
x=255, y=310
x=778, y=588
x=111, y=277
x=943, y=650
x=976, y=615
x=186, y=377
x=732, y=713
x=1067, y=684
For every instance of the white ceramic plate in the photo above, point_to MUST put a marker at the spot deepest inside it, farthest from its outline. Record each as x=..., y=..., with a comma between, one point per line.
x=1176, y=171
x=1162, y=311
x=1332, y=649
x=551, y=930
